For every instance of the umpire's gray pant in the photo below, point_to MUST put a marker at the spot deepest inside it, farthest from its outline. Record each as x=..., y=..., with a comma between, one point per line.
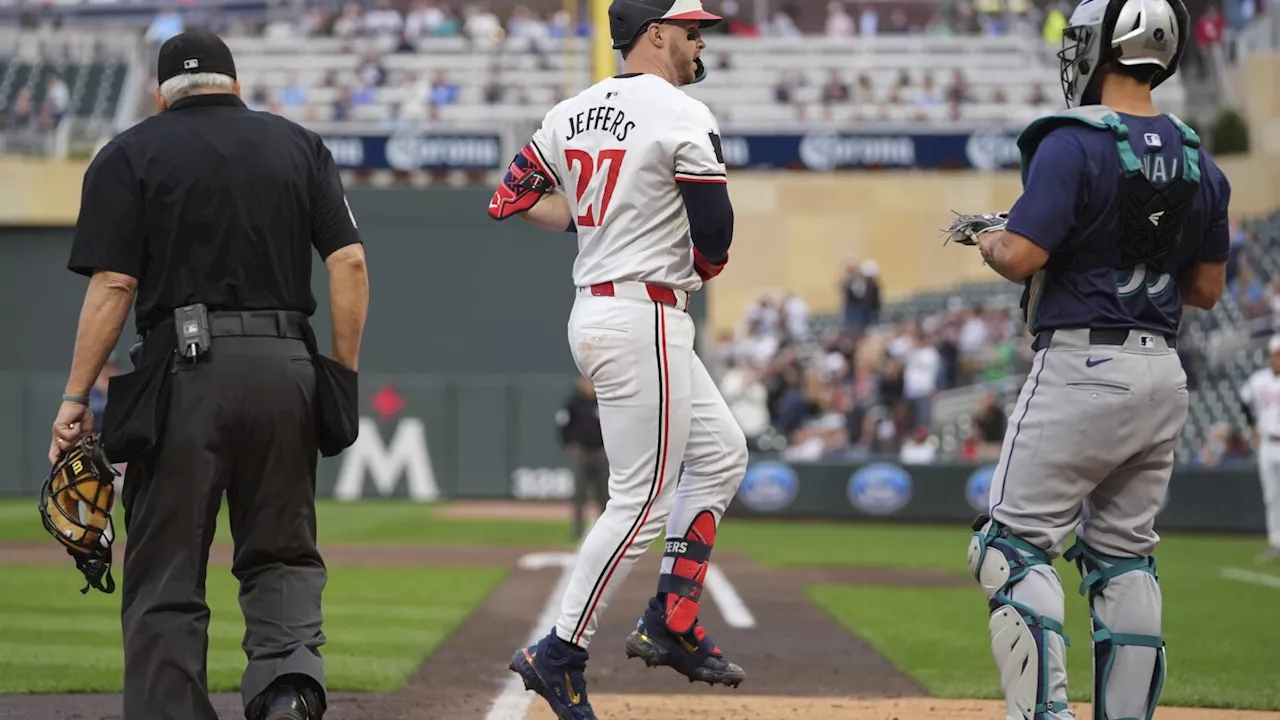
x=241, y=423
x=590, y=478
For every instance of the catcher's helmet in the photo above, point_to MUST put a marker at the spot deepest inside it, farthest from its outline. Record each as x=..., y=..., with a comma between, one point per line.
x=1128, y=32
x=629, y=18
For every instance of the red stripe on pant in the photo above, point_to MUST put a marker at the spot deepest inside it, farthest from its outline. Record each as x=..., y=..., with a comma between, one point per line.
x=664, y=397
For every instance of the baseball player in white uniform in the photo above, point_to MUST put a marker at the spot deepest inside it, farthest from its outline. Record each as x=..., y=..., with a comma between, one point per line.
x=1260, y=398
x=633, y=165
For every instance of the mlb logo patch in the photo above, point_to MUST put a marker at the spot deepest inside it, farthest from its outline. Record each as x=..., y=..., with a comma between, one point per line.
x=190, y=64
x=1146, y=341
x=1152, y=140
x=610, y=94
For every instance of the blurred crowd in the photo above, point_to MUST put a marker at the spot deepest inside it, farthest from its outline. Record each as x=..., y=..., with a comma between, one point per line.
x=954, y=94
x=1226, y=446
x=399, y=31
x=26, y=115
x=867, y=382
x=381, y=27
x=408, y=26
x=1253, y=281
x=864, y=387
x=475, y=20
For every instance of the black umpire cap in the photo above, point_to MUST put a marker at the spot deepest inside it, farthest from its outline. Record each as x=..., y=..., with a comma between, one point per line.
x=194, y=51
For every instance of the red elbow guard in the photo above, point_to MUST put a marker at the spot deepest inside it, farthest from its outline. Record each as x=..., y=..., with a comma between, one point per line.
x=705, y=268
x=524, y=184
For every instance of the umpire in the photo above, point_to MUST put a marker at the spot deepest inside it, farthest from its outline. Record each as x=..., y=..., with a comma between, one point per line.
x=207, y=214
x=579, y=422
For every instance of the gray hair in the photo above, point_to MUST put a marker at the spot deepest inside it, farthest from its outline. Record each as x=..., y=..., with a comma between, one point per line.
x=187, y=84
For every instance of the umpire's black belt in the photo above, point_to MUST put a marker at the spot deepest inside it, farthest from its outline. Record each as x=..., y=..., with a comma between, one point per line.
x=243, y=323
x=1099, y=337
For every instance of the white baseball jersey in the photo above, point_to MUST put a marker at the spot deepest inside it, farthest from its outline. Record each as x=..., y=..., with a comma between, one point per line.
x=1262, y=393
x=616, y=150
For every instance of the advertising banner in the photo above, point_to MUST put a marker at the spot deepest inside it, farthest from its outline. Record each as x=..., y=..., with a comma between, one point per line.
x=816, y=151
x=1199, y=499
x=825, y=151
x=417, y=151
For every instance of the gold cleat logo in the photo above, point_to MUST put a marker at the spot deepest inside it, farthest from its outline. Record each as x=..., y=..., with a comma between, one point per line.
x=574, y=698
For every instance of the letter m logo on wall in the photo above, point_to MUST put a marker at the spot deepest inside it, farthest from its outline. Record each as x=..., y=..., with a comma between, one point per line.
x=404, y=458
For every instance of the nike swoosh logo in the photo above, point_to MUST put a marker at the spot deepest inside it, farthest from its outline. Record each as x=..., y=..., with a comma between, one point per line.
x=574, y=697
x=1094, y=363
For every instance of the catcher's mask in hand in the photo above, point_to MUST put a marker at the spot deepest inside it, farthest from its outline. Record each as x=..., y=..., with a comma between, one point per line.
x=76, y=503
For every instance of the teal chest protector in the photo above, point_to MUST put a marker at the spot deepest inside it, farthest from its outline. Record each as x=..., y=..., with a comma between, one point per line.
x=1155, y=227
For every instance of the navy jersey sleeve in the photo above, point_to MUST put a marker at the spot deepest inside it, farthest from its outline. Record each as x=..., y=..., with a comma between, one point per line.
x=1216, y=246
x=1046, y=212
x=110, y=230
x=333, y=225
x=710, y=217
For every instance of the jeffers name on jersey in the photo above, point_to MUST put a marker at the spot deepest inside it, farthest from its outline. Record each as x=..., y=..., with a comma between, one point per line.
x=626, y=152
x=609, y=119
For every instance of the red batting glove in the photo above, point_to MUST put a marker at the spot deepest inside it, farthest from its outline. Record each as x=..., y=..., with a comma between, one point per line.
x=705, y=268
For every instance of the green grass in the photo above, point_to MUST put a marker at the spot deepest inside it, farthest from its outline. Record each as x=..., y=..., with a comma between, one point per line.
x=368, y=521
x=381, y=624
x=391, y=521
x=1223, y=641
x=792, y=544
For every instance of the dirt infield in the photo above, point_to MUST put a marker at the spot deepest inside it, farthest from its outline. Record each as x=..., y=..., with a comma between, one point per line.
x=632, y=707
x=799, y=662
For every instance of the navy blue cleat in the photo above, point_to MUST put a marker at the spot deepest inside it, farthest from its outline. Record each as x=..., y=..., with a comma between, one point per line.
x=556, y=670
x=692, y=654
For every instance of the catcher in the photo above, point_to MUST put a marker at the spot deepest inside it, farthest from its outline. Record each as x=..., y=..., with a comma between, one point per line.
x=1122, y=222
x=75, y=506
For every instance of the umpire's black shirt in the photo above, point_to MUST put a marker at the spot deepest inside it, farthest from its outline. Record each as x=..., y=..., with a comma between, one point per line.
x=211, y=202
x=579, y=422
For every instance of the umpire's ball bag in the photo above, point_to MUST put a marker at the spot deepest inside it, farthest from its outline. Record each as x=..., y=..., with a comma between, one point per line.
x=337, y=399
x=137, y=404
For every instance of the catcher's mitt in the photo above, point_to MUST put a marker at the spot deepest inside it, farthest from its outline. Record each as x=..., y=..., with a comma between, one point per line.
x=965, y=229
x=76, y=503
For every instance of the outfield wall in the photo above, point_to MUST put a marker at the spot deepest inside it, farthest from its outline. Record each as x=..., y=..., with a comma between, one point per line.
x=466, y=341
x=792, y=230
x=1199, y=499
x=425, y=438
x=465, y=360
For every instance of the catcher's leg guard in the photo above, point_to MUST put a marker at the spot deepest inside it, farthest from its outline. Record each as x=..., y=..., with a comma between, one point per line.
x=1027, y=639
x=1128, y=649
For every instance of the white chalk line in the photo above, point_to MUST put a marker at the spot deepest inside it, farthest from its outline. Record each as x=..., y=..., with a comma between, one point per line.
x=514, y=700
x=1253, y=578
x=726, y=598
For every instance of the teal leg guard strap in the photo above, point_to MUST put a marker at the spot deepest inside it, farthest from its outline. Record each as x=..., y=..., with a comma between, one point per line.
x=999, y=560
x=1098, y=570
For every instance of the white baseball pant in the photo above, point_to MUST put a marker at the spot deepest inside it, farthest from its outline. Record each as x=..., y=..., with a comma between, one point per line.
x=1269, y=475
x=658, y=408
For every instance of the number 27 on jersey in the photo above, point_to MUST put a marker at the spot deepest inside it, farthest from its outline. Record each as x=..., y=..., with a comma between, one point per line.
x=593, y=197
